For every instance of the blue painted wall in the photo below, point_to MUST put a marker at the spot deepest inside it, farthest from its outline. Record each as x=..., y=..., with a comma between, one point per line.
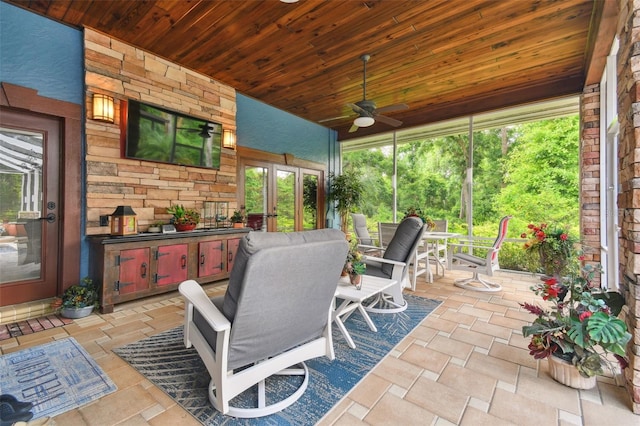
x=41, y=54
x=263, y=127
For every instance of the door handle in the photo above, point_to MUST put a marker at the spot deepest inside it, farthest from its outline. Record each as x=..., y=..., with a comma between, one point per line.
x=49, y=218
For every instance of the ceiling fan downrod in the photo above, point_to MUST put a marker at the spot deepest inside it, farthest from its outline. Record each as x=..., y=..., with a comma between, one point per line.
x=365, y=58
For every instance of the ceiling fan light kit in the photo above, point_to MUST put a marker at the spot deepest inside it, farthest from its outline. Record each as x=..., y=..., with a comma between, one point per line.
x=364, y=121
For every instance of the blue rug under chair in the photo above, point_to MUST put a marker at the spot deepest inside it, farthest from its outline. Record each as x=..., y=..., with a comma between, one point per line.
x=180, y=373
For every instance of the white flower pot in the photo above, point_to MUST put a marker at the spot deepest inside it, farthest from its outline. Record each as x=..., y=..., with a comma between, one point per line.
x=566, y=373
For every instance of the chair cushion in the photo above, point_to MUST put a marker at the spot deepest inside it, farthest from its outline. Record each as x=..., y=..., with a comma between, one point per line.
x=470, y=259
x=360, y=226
x=255, y=241
x=285, y=299
x=403, y=240
x=208, y=333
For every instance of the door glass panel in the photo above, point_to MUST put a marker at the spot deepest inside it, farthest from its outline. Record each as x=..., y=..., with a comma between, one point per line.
x=255, y=196
x=20, y=205
x=310, y=202
x=286, y=201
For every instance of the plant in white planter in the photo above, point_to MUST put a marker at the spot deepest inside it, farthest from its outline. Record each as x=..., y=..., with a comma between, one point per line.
x=78, y=300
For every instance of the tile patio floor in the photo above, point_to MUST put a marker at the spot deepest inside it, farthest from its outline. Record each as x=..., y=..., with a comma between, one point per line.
x=466, y=364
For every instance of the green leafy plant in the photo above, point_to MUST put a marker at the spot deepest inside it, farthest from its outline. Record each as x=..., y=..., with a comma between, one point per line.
x=237, y=217
x=182, y=215
x=79, y=295
x=346, y=191
x=581, y=325
x=354, y=264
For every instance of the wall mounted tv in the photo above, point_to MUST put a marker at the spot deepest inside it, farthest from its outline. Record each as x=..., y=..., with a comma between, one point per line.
x=157, y=134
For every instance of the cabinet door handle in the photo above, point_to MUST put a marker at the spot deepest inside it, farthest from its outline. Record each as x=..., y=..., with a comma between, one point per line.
x=143, y=270
x=202, y=259
x=183, y=261
x=230, y=257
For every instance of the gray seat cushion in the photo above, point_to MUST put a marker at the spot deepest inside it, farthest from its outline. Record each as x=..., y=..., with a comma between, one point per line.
x=255, y=241
x=403, y=241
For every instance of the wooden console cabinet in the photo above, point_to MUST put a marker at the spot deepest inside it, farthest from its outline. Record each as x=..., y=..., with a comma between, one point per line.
x=136, y=266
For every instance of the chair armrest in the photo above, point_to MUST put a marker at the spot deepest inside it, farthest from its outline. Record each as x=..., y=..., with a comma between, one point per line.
x=367, y=246
x=454, y=245
x=382, y=260
x=195, y=295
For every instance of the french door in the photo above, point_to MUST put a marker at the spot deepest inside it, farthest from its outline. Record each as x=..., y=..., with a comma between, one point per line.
x=281, y=198
x=29, y=206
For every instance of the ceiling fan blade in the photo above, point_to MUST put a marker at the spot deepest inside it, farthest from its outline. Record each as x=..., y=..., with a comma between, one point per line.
x=388, y=120
x=391, y=108
x=333, y=118
x=353, y=128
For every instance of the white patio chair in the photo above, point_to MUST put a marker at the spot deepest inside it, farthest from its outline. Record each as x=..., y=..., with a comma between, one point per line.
x=463, y=261
x=276, y=313
x=395, y=264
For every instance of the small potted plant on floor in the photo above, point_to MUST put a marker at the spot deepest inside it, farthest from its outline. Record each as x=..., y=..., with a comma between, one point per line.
x=79, y=300
x=237, y=219
x=184, y=219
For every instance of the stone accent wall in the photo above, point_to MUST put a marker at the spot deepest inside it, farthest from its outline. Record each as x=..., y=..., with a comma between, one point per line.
x=628, y=65
x=590, y=173
x=126, y=72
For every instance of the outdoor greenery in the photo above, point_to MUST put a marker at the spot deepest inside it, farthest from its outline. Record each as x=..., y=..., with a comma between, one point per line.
x=528, y=170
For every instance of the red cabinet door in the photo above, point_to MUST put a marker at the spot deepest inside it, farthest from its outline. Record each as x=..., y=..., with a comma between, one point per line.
x=172, y=264
x=210, y=260
x=232, y=249
x=134, y=270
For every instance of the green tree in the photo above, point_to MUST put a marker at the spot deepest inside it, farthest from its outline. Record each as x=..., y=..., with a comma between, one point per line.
x=542, y=173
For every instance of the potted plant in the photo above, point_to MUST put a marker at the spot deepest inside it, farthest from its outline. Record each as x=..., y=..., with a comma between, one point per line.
x=578, y=329
x=346, y=191
x=78, y=300
x=155, y=227
x=237, y=219
x=184, y=219
x=551, y=249
x=354, y=265
x=417, y=212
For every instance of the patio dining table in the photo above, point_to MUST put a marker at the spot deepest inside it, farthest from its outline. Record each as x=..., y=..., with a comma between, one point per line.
x=431, y=241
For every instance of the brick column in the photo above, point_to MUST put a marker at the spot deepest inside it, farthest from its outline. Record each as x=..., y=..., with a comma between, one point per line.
x=628, y=65
x=590, y=173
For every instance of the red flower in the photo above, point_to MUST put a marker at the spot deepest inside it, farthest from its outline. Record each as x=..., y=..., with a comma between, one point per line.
x=523, y=235
x=564, y=237
x=583, y=316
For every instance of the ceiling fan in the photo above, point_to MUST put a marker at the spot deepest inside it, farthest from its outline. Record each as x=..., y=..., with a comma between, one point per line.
x=366, y=109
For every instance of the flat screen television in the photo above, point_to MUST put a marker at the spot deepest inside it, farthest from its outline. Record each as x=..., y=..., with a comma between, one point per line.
x=158, y=134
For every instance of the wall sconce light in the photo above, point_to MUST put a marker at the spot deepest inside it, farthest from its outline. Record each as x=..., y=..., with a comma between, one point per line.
x=228, y=139
x=102, y=108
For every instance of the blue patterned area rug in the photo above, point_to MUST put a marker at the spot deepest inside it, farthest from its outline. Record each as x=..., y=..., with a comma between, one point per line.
x=180, y=373
x=56, y=377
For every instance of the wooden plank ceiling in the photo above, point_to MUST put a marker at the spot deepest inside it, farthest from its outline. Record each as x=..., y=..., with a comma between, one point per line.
x=442, y=58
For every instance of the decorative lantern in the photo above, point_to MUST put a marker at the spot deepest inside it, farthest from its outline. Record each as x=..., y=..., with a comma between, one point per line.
x=123, y=221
